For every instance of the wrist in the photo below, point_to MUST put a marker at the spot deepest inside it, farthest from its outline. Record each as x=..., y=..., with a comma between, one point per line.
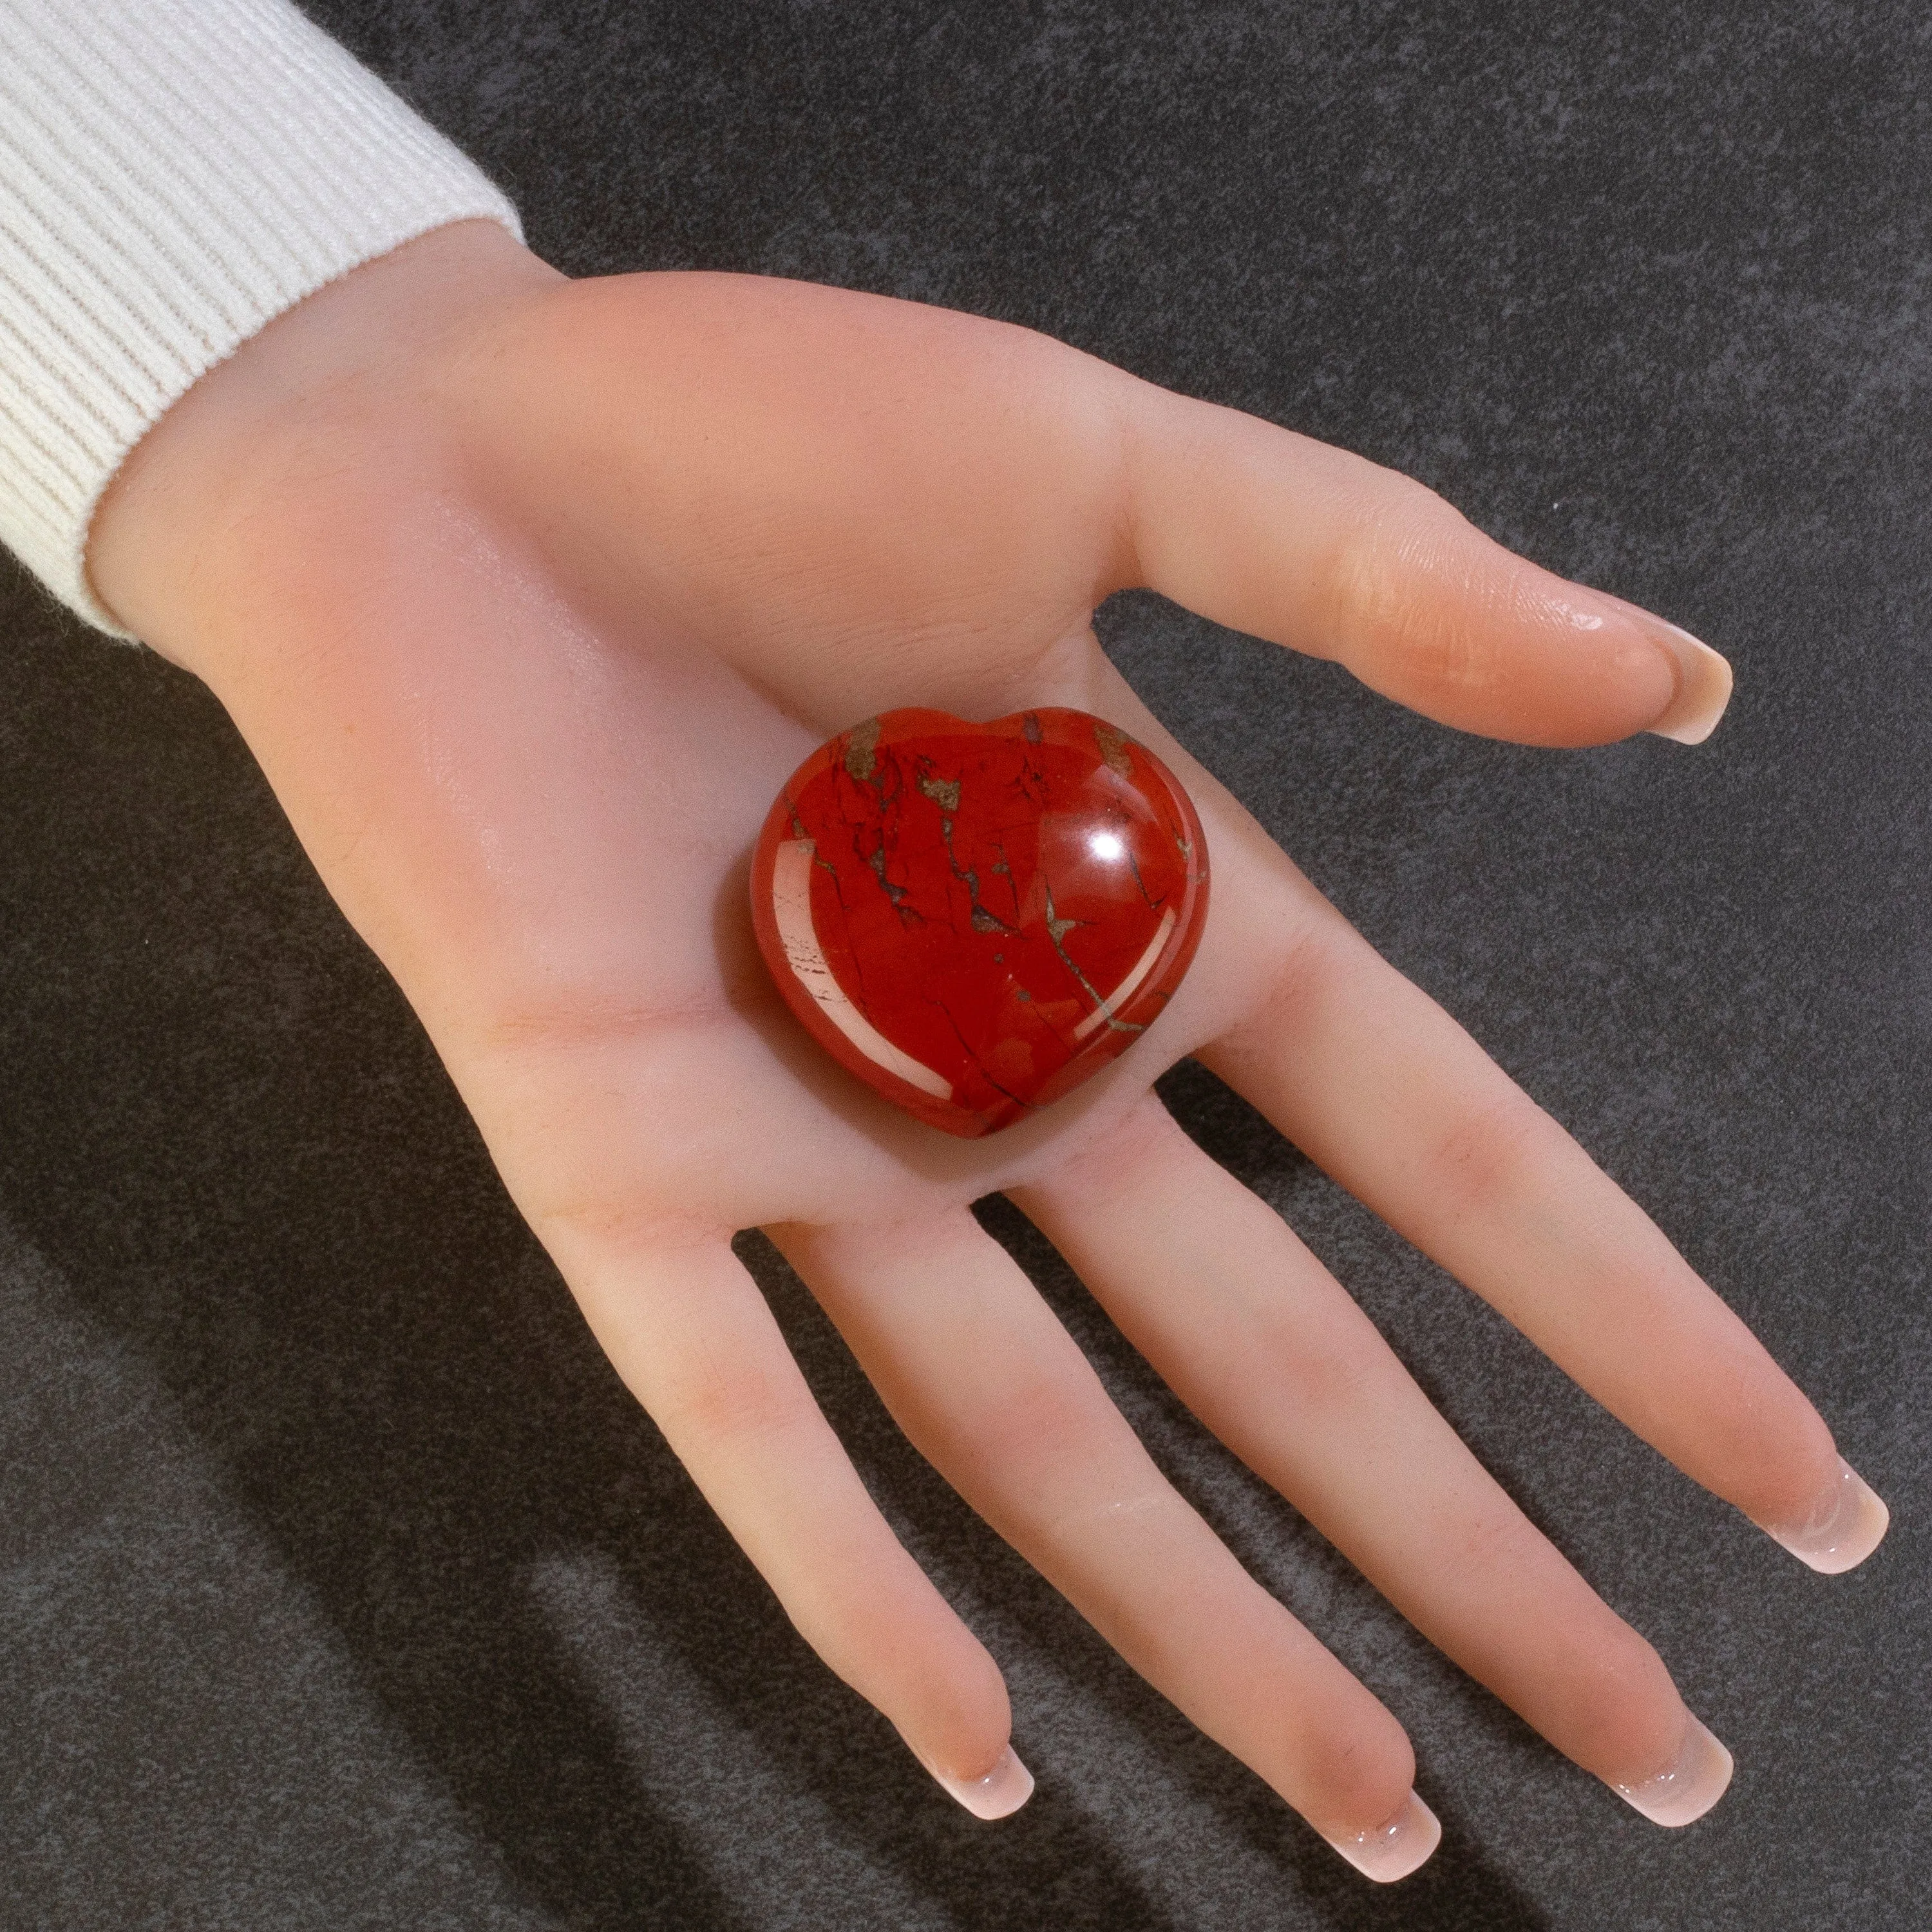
x=343, y=393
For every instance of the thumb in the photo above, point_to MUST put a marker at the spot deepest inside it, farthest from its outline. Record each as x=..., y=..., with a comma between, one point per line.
x=1309, y=546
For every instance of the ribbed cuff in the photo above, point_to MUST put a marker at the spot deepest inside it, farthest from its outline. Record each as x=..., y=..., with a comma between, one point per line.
x=172, y=177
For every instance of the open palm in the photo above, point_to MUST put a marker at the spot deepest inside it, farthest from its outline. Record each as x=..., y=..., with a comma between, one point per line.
x=528, y=626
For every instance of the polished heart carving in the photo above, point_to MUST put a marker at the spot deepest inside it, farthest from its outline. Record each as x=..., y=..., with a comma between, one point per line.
x=975, y=919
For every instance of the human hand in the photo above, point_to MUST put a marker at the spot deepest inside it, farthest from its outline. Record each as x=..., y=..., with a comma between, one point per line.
x=529, y=594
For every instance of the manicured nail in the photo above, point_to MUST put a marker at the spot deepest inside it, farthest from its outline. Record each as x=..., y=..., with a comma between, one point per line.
x=1690, y=1787
x=1703, y=689
x=1399, y=1848
x=999, y=1794
x=1847, y=1523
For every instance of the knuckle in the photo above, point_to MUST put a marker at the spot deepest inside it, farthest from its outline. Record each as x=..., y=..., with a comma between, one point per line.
x=592, y=1227
x=1313, y=966
x=1480, y=1157
x=1118, y=1164
x=714, y=1401
x=1315, y=1367
x=1034, y=1423
x=1384, y=594
x=551, y=1022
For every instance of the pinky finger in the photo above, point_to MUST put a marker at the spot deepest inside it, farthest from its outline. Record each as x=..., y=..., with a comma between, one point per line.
x=693, y=1339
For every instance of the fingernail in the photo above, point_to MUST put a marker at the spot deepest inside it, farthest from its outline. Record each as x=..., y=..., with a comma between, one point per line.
x=999, y=1794
x=1847, y=1524
x=1401, y=1845
x=1690, y=1787
x=1703, y=689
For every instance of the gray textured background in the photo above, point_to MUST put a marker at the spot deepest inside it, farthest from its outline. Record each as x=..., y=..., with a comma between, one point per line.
x=340, y=1585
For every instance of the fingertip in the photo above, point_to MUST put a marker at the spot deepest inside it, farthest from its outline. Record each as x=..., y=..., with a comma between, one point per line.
x=1688, y=1786
x=1843, y=1527
x=1703, y=688
x=1393, y=1851
x=999, y=1793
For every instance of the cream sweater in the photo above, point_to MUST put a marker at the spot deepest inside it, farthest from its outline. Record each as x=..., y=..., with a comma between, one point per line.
x=173, y=174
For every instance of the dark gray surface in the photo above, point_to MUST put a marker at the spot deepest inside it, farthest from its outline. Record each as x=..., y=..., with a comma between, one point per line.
x=342, y=1585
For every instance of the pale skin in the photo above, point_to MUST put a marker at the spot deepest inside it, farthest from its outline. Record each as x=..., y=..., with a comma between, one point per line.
x=529, y=593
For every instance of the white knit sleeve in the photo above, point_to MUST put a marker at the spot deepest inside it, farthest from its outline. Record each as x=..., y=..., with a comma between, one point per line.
x=172, y=177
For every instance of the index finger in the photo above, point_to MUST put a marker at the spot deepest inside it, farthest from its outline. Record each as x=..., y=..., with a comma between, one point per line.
x=1365, y=1073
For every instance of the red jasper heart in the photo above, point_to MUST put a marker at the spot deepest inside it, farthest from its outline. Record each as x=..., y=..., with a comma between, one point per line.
x=974, y=919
